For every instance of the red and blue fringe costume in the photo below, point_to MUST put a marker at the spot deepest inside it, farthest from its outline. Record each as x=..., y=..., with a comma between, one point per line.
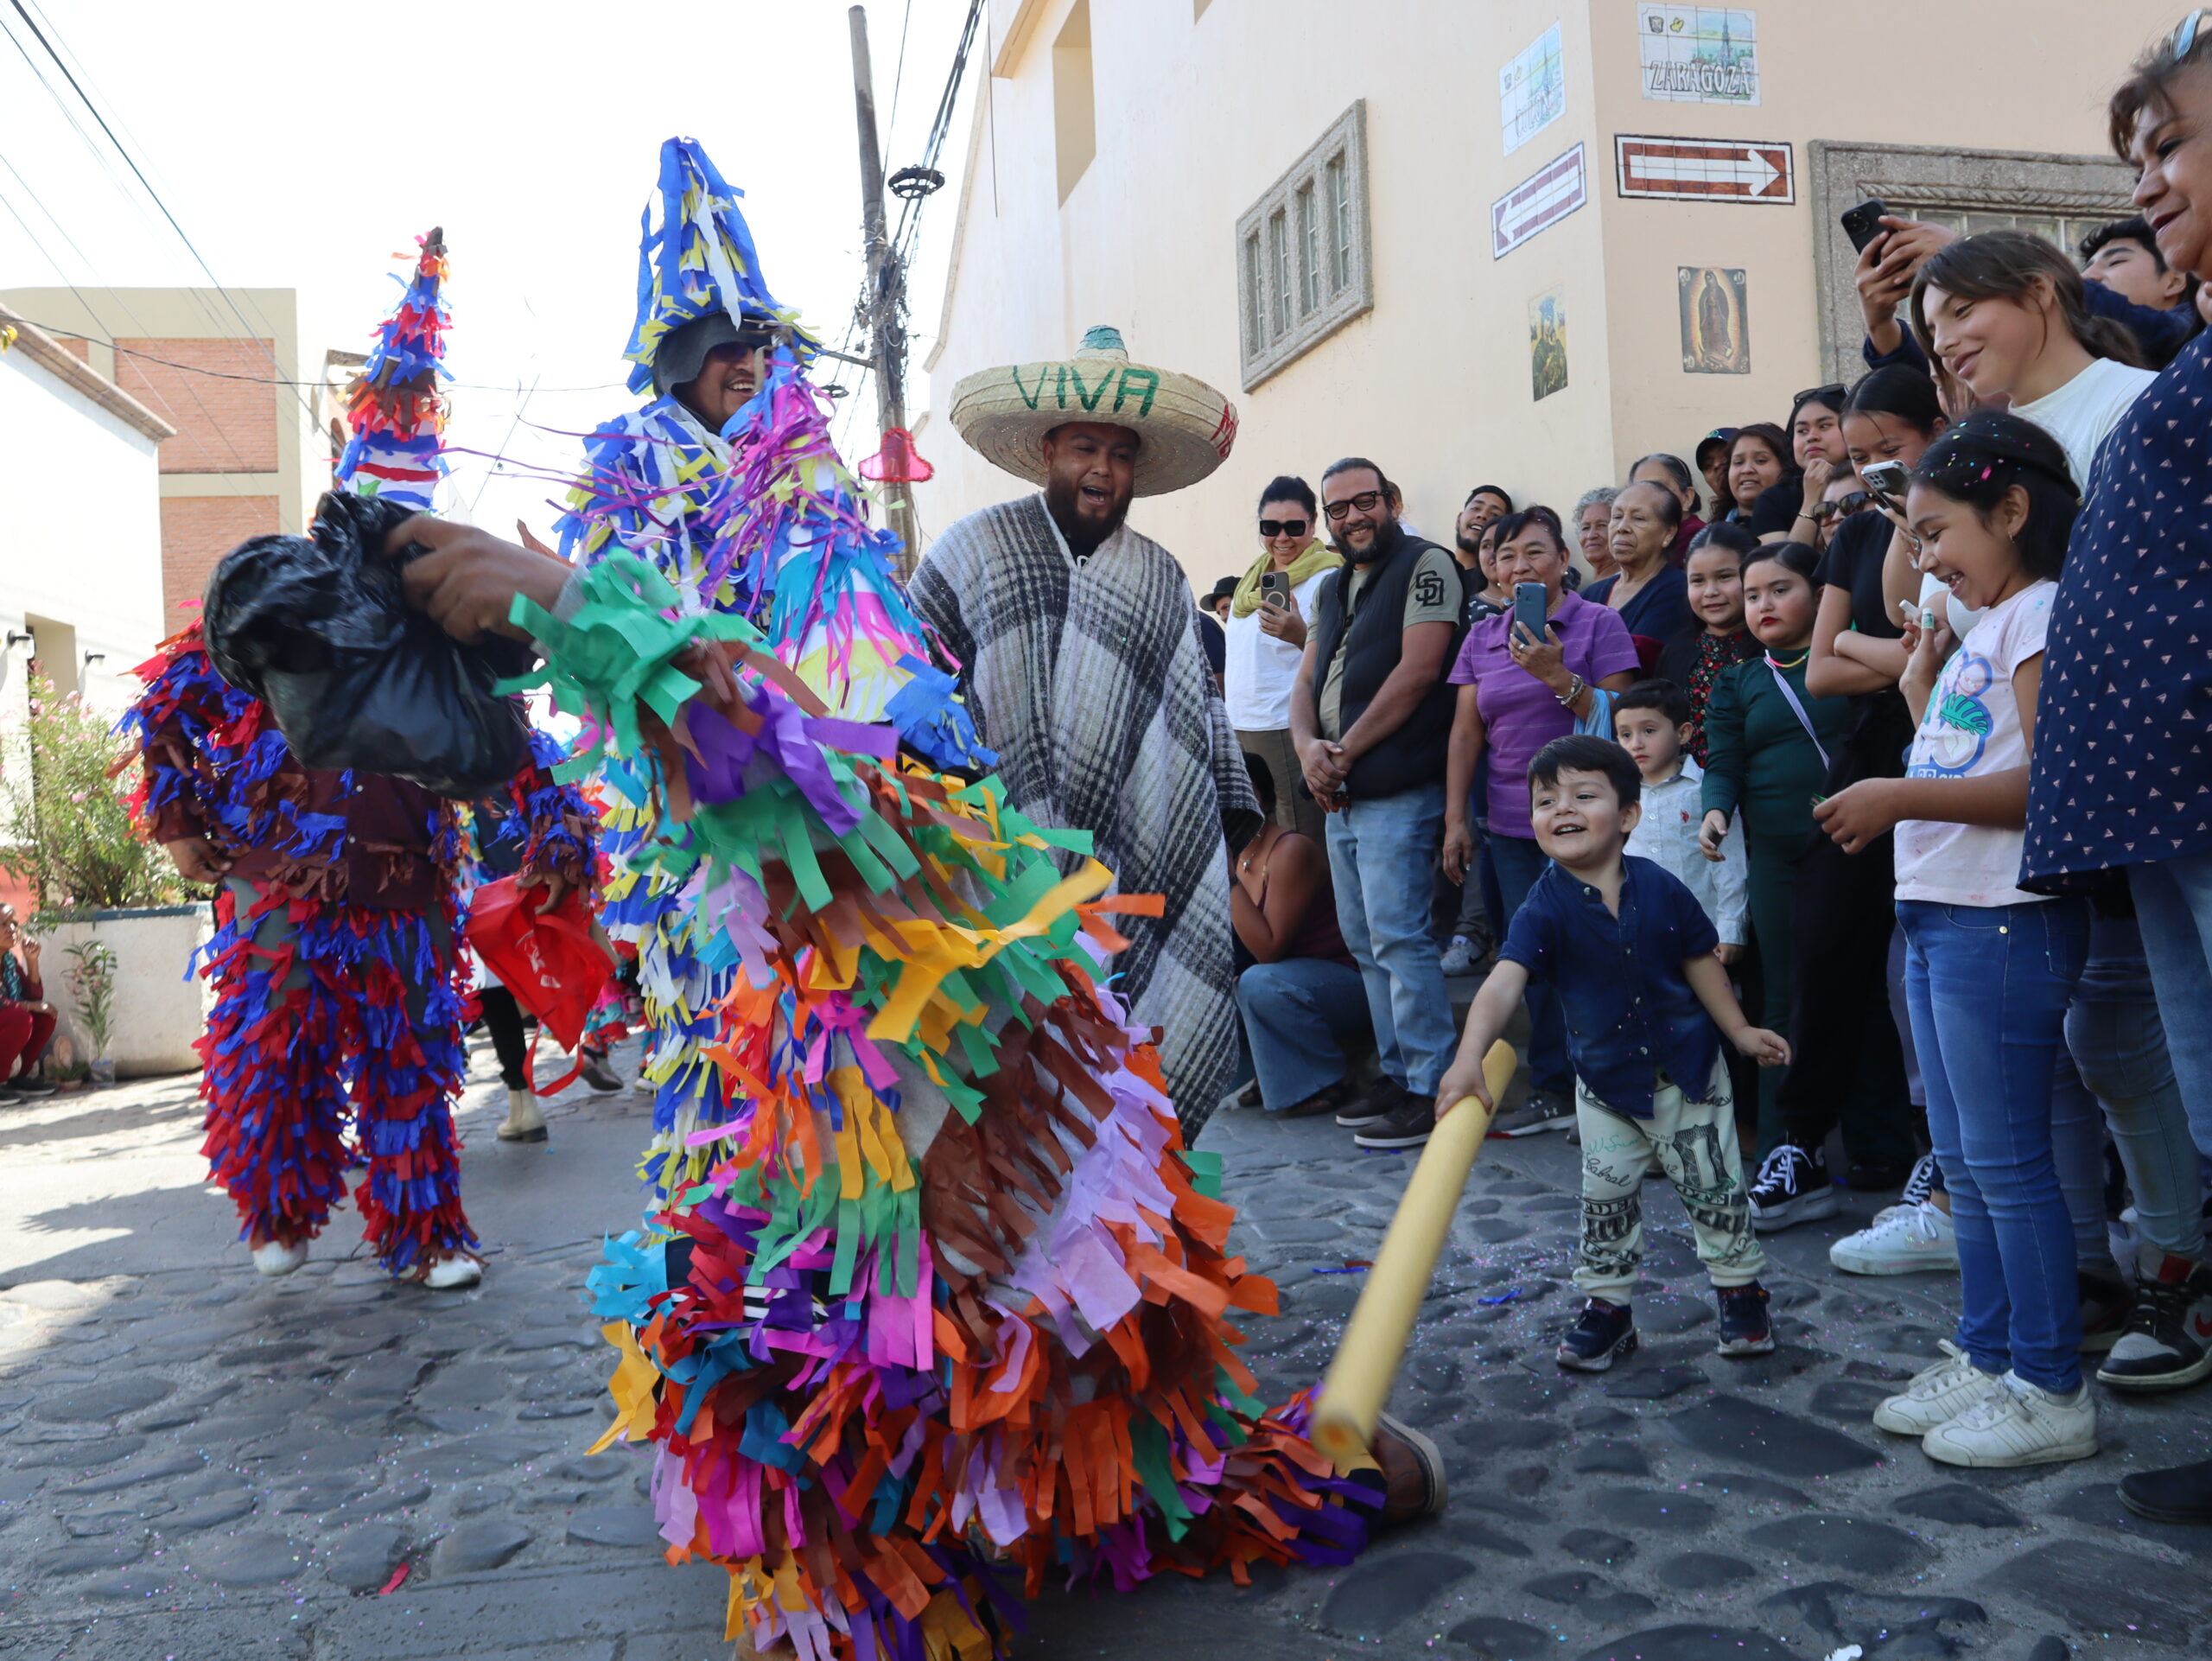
x=324, y=1005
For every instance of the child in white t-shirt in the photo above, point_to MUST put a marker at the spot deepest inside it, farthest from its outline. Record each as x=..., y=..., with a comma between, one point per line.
x=1651, y=722
x=1989, y=968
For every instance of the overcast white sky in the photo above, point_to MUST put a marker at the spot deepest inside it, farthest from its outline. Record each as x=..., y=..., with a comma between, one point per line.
x=302, y=144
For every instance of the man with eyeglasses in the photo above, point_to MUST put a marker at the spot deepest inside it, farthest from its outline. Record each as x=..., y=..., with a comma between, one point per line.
x=1370, y=714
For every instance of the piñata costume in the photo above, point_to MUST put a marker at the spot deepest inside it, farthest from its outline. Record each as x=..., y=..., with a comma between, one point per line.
x=334, y=961
x=1089, y=679
x=949, y=1291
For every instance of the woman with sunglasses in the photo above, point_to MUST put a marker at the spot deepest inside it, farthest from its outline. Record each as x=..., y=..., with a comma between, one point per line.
x=1266, y=637
x=2120, y=770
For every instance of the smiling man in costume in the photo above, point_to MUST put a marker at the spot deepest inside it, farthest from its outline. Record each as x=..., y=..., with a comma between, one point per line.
x=1078, y=650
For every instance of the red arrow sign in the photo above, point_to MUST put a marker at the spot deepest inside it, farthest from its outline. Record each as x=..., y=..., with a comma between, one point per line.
x=1704, y=169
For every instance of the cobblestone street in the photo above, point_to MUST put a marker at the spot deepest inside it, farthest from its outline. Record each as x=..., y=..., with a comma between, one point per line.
x=201, y=1465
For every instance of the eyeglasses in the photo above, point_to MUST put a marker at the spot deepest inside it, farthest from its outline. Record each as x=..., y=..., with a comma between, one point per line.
x=1285, y=527
x=1367, y=501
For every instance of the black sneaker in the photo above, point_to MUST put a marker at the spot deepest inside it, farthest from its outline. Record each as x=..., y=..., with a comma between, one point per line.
x=9, y=1099
x=1381, y=1099
x=2108, y=1310
x=1743, y=1329
x=602, y=1079
x=1792, y=1187
x=29, y=1086
x=1605, y=1334
x=1543, y=1111
x=1408, y=1125
x=2168, y=1342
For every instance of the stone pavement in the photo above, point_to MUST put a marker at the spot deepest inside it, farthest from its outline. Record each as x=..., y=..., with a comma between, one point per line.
x=199, y=1464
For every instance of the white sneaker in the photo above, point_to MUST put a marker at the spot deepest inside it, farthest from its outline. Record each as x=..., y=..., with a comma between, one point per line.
x=276, y=1258
x=451, y=1273
x=1937, y=1395
x=1912, y=1239
x=2016, y=1423
x=1459, y=958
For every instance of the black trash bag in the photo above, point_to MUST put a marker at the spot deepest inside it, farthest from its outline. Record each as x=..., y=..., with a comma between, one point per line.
x=319, y=629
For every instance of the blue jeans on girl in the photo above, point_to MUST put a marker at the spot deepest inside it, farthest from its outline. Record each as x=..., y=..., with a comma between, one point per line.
x=1988, y=987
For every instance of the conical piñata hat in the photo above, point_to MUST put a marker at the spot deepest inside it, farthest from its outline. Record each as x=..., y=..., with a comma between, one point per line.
x=397, y=415
x=1185, y=427
x=698, y=262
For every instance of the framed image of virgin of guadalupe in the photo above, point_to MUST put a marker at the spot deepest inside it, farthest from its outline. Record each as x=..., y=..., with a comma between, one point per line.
x=1716, y=329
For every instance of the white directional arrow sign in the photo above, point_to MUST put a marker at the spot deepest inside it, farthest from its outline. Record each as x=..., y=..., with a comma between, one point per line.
x=1704, y=169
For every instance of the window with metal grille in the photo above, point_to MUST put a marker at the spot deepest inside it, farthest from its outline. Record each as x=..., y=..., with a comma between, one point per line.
x=1303, y=267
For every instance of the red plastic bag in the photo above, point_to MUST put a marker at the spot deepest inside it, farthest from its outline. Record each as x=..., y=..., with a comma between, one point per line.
x=554, y=964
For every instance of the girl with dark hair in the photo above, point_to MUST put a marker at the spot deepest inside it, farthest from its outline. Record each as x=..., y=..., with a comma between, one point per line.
x=1758, y=460
x=2120, y=747
x=1265, y=639
x=1767, y=745
x=1989, y=968
x=1816, y=446
x=2003, y=315
x=1696, y=659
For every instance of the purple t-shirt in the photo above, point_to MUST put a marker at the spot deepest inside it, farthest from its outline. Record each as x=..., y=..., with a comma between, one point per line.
x=1520, y=715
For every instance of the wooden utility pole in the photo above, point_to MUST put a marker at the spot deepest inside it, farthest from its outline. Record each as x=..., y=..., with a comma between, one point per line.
x=886, y=288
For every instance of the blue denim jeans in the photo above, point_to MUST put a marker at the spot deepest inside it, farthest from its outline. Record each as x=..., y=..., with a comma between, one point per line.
x=1381, y=856
x=1988, y=987
x=2117, y=1074
x=2173, y=908
x=1519, y=863
x=1305, y=1018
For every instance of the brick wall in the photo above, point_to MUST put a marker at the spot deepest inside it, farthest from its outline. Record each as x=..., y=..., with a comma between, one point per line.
x=196, y=532
x=222, y=425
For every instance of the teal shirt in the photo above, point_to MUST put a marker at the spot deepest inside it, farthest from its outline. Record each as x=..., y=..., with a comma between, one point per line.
x=1759, y=762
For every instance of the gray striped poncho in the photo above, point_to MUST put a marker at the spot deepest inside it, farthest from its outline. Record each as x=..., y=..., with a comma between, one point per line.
x=1088, y=678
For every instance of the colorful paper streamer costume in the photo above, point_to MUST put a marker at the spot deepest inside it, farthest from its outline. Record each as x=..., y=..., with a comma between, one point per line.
x=339, y=993
x=936, y=1287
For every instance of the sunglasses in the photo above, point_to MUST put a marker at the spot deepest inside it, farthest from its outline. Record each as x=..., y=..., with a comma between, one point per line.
x=1285, y=527
x=1831, y=394
x=1367, y=501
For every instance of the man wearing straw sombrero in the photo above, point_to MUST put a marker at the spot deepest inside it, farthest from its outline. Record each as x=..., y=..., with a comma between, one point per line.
x=1079, y=645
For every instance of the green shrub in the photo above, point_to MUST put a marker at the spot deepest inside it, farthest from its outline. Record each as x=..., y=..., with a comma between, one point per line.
x=69, y=833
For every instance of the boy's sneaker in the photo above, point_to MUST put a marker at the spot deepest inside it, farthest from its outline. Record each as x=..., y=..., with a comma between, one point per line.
x=1543, y=1110
x=1936, y=1395
x=1792, y=1187
x=2168, y=1342
x=1380, y=1100
x=2016, y=1423
x=1743, y=1329
x=2107, y=1306
x=1913, y=1237
x=1605, y=1332
x=1410, y=1125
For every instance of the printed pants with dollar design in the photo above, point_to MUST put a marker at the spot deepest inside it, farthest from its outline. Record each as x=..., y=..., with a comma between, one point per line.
x=1694, y=1137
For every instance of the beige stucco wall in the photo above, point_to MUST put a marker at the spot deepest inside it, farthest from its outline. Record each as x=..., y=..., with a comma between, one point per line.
x=1197, y=116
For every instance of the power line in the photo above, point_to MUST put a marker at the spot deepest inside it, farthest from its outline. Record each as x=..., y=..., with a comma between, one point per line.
x=898, y=79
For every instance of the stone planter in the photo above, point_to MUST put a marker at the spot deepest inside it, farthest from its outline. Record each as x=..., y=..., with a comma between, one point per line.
x=158, y=1012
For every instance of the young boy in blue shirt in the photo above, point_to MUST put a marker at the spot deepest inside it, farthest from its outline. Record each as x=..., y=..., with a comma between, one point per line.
x=1629, y=952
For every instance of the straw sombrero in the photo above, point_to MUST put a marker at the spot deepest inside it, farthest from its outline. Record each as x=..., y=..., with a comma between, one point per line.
x=1186, y=427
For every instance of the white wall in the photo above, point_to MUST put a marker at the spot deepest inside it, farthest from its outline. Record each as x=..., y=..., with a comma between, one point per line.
x=80, y=533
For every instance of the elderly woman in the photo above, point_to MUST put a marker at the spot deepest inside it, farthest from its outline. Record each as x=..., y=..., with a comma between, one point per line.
x=1517, y=694
x=1652, y=596
x=1266, y=637
x=1593, y=522
x=1671, y=474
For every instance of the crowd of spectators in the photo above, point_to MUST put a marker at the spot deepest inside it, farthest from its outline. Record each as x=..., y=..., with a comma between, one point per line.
x=1892, y=713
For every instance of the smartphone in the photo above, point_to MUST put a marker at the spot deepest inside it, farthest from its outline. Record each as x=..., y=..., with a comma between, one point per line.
x=1275, y=588
x=1529, y=608
x=1886, y=479
x=1863, y=223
